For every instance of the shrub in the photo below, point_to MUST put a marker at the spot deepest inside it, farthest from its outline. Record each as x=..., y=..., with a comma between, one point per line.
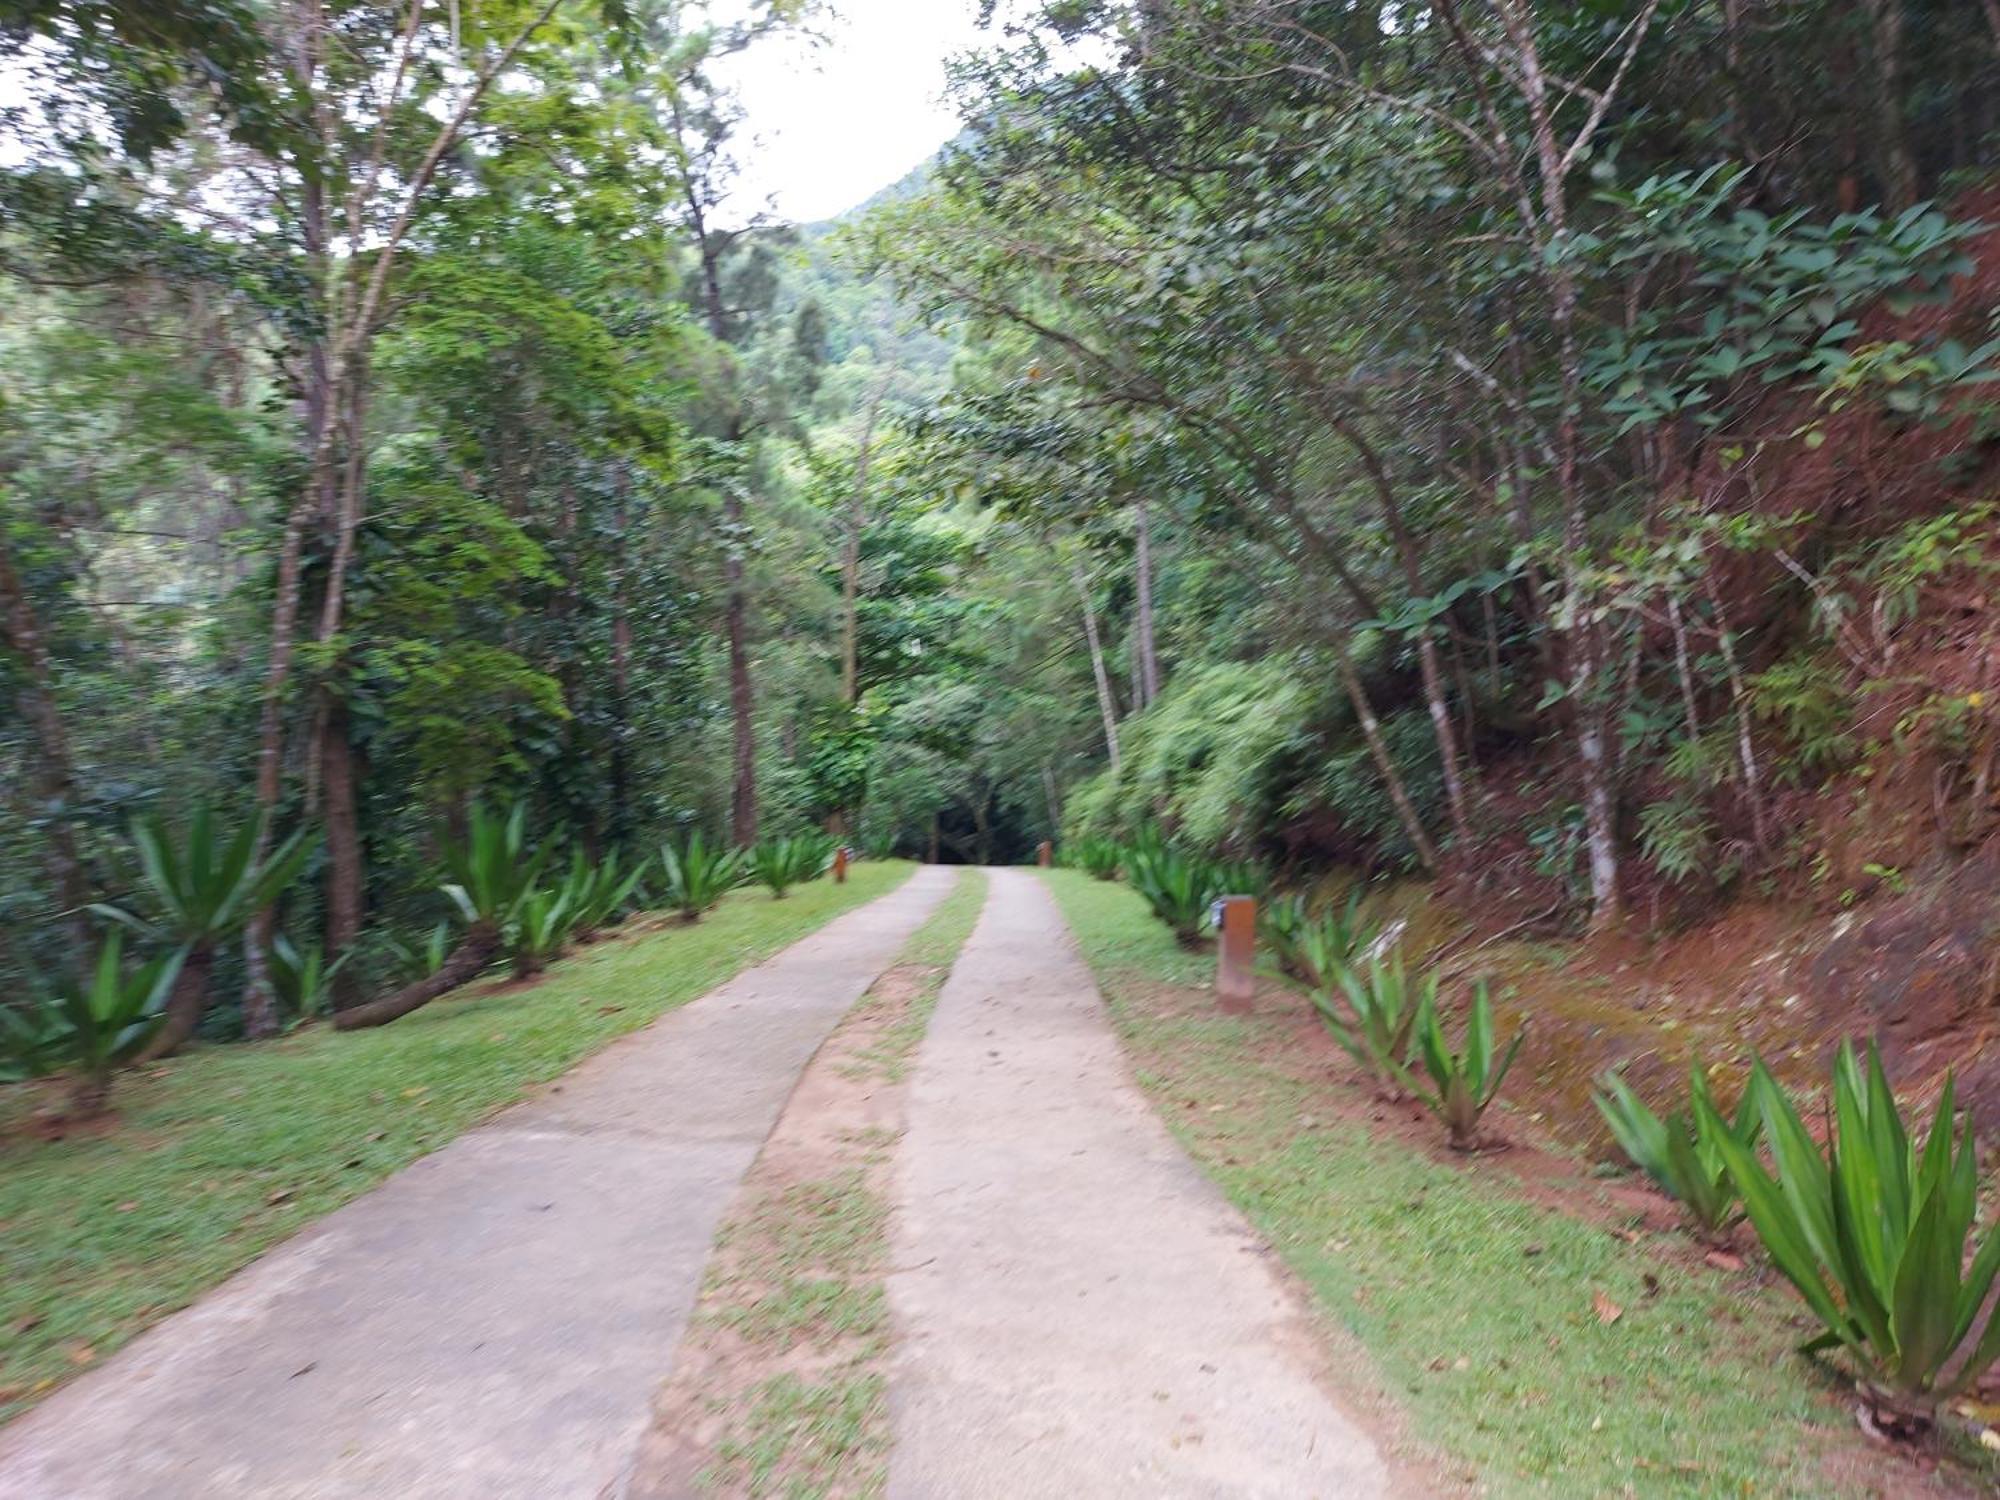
x=599, y=894
x=94, y=1026
x=1099, y=858
x=302, y=976
x=698, y=875
x=493, y=872
x=1371, y=1014
x=544, y=920
x=1180, y=887
x=1677, y=1154
x=1463, y=1080
x=1875, y=1233
x=785, y=862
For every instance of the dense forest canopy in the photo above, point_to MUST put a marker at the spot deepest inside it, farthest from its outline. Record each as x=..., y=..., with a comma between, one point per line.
x=1520, y=442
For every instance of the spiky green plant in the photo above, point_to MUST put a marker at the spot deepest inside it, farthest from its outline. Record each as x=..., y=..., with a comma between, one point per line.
x=95, y=1026
x=1683, y=1159
x=782, y=863
x=1281, y=924
x=1336, y=940
x=302, y=976
x=1371, y=1013
x=1877, y=1234
x=599, y=893
x=1462, y=1080
x=1180, y=887
x=698, y=875
x=492, y=871
x=197, y=889
x=1096, y=857
x=544, y=921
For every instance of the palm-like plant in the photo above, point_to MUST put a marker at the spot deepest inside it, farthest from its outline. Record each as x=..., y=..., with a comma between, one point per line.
x=1682, y=1158
x=599, y=893
x=492, y=872
x=1334, y=941
x=785, y=862
x=1180, y=887
x=1463, y=1079
x=302, y=976
x=1876, y=1234
x=1372, y=1014
x=1097, y=857
x=95, y=1026
x=698, y=875
x=199, y=890
x=544, y=921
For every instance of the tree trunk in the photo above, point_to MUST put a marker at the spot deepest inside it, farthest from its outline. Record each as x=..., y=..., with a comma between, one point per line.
x=465, y=963
x=185, y=1003
x=1746, y=748
x=55, y=777
x=1385, y=764
x=742, y=700
x=1142, y=563
x=346, y=880
x=1899, y=166
x=1683, y=668
x=850, y=556
x=1105, y=706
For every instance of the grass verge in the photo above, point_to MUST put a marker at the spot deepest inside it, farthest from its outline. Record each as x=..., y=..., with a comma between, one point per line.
x=779, y=1387
x=1542, y=1355
x=215, y=1156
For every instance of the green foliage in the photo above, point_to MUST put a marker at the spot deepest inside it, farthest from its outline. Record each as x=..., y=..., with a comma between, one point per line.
x=1179, y=887
x=1099, y=857
x=1677, y=837
x=493, y=870
x=303, y=977
x=599, y=894
x=1462, y=1080
x=1806, y=700
x=544, y=920
x=202, y=886
x=1876, y=1231
x=1372, y=1013
x=1336, y=940
x=91, y=1027
x=1676, y=1153
x=783, y=863
x=697, y=875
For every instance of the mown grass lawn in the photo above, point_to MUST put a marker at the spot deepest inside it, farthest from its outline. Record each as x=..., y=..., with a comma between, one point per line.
x=215, y=1156
x=1476, y=1307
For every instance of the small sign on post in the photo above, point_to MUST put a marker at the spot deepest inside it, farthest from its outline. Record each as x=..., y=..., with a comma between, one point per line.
x=1236, y=956
x=840, y=865
x=1045, y=854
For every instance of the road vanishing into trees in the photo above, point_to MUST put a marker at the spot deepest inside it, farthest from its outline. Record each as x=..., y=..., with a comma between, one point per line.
x=1077, y=1310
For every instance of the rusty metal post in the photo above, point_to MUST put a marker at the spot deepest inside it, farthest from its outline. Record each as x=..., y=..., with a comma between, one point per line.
x=1045, y=854
x=840, y=865
x=1235, y=960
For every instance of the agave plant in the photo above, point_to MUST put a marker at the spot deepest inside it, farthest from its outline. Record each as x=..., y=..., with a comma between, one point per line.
x=1372, y=1013
x=1180, y=887
x=544, y=921
x=1281, y=922
x=492, y=872
x=303, y=977
x=1876, y=1234
x=1335, y=941
x=699, y=875
x=785, y=862
x=197, y=891
x=95, y=1026
x=1096, y=857
x=599, y=893
x=1682, y=1158
x=1461, y=1080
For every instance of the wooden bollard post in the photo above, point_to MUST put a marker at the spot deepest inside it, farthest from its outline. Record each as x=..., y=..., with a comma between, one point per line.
x=1235, y=960
x=1045, y=854
x=840, y=865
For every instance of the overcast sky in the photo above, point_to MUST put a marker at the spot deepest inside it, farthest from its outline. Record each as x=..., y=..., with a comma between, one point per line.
x=829, y=125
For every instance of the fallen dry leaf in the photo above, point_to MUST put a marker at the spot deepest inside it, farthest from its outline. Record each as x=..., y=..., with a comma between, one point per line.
x=278, y=1195
x=1722, y=1260
x=1608, y=1312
